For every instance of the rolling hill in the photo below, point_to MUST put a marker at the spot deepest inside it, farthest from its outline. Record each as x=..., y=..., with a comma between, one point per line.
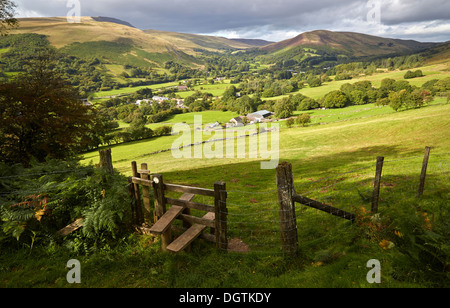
x=60, y=33
x=117, y=42
x=349, y=44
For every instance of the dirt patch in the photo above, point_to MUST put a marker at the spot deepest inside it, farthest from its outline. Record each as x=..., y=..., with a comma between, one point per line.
x=237, y=245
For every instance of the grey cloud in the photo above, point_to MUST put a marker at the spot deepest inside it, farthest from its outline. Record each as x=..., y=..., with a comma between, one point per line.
x=253, y=16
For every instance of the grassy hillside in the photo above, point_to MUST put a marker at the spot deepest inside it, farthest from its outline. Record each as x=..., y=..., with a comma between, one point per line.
x=349, y=43
x=189, y=42
x=333, y=253
x=333, y=163
x=434, y=71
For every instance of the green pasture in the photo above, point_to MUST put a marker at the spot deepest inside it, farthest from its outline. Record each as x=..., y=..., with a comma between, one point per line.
x=436, y=71
x=333, y=163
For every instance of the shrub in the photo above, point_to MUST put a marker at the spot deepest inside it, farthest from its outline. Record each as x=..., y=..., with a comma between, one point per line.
x=410, y=74
x=46, y=197
x=303, y=119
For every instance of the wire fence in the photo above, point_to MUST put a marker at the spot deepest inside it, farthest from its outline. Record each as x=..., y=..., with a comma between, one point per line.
x=255, y=224
x=254, y=217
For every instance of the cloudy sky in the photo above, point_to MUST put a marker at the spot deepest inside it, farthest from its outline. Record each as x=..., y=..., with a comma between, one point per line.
x=273, y=20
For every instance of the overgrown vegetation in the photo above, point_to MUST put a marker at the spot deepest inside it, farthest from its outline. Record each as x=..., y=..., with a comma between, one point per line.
x=39, y=200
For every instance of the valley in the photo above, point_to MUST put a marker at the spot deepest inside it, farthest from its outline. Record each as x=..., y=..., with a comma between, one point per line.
x=334, y=101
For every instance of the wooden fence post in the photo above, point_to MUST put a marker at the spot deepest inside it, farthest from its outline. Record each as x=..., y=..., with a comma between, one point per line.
x=160, y=209
x=288, y=220
x=423, y=172
x=220, y=204
x=106, y=160
x=145, y=174
x=376, y=185
x=137, y=195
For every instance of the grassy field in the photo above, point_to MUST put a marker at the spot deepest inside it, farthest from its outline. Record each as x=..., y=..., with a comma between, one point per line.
x=333, y=163
x=435, y=71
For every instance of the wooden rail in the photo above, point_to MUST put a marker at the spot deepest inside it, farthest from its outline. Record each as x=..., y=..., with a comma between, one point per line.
x=323, y=207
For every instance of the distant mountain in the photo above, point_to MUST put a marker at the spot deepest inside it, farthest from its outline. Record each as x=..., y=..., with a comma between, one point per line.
x=348, y=44
x=193, y=42
x=113, y=20
x=253, y=42
x=152, y=46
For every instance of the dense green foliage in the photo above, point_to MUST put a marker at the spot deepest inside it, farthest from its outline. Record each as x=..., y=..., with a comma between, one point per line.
x=42, y=115
x=38, y=201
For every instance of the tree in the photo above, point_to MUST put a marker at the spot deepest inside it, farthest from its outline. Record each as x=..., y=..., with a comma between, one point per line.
x=303, y=119
x=358, y=97
x=284, y=108
x=308, y=104
x=289, y=122
x=137, y=129
x=7, y=19
x=335, y=99
x=314, y=81
x=246, y=104
x=396, y=99
x=42, y=115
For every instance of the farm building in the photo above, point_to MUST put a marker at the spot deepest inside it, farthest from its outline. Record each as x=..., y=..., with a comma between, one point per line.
x=259, y=116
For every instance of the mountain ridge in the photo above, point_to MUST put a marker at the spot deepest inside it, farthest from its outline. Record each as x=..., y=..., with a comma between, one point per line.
x=352, y=43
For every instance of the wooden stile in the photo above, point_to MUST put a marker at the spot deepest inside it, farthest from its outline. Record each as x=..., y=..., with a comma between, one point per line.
x=189, y=189
x=215, y=218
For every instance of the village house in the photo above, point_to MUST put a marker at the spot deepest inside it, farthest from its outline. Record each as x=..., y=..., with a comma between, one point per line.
x=159, y=98
x=236, y=122
x=182, y=88
x=180, y=103
x=140, y=101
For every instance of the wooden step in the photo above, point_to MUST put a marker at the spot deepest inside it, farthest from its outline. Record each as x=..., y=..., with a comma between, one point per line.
x=166, y=220
x=186, y=238
x=189, y=235
x=187, y=197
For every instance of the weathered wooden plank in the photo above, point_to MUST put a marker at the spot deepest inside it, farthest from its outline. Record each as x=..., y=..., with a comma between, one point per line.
x=323, y=207
x=205, y=220
x=186, y=238
x=77, y=224
x=164, y=223
x=143, y=182
x=187, y=211
x=187, y=197
x=189, y=189
x=190, y=204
